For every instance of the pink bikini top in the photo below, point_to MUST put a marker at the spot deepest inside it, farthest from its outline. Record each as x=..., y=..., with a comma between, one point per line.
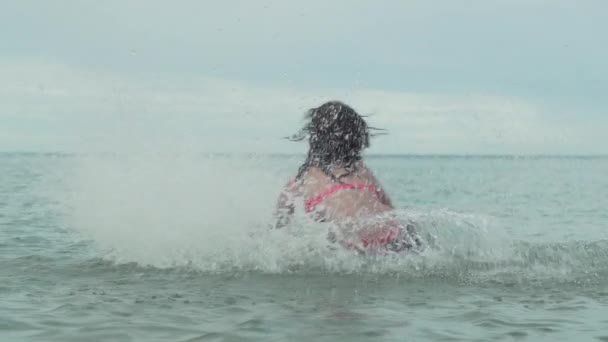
x=311, y=203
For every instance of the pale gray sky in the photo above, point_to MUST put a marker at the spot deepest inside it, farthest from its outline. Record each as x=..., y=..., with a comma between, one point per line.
x=475, y=76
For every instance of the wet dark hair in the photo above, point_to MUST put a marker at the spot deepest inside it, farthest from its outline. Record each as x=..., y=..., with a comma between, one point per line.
x=337, y=135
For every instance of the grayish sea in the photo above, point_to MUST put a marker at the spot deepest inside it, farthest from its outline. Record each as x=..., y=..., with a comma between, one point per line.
x=164, y=247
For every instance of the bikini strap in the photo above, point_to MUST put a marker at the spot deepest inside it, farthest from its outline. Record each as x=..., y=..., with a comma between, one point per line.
x=313, y=202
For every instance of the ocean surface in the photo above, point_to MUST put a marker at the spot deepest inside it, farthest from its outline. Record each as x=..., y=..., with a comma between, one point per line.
x=166, y=247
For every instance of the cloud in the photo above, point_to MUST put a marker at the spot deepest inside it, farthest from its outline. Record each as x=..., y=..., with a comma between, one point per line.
x=549, y=48
x=54, y=106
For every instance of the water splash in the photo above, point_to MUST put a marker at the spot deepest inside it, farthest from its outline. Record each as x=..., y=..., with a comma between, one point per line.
x=213, y=213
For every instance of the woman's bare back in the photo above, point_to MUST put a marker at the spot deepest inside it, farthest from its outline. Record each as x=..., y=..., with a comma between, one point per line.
x=346, y=203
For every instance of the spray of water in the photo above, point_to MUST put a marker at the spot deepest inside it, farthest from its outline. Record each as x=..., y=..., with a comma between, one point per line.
x=214, y=213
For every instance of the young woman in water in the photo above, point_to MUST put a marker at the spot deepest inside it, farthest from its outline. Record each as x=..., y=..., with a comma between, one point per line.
x=336, y=186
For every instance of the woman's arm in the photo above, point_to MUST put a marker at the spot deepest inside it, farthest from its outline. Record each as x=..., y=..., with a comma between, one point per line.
x=285, y=205
x=382, y=195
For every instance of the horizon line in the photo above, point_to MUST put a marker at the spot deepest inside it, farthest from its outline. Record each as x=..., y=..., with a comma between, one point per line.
x=374, y=155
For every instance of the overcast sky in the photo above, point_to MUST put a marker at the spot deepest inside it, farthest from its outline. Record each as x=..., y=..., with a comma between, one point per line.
x=466, y=77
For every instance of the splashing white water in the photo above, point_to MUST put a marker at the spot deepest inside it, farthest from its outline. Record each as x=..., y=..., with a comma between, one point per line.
x=151, y=209
x=214, y=213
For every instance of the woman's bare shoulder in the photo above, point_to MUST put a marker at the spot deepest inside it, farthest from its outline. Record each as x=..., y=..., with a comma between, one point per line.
x=366, y=173
x=292, y=186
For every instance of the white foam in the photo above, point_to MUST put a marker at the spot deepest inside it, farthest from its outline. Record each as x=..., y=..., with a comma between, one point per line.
x=214, y=213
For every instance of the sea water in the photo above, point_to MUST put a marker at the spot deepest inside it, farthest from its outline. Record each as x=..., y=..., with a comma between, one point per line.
x=175, y=247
